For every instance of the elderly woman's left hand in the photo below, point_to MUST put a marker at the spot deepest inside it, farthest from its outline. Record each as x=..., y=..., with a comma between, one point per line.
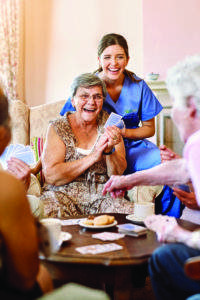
x=114, y=136
x=19, y=169
x=166, y=228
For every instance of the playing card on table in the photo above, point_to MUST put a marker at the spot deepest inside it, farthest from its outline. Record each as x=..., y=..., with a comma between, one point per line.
x=98, y=248
x=108, y=236
x=70, y=222
x=115, y=119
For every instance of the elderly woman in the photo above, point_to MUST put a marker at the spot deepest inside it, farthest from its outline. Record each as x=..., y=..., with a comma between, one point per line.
x=80, y=154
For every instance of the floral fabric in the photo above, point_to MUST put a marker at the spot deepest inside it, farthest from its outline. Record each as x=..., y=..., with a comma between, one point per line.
x=84, y=194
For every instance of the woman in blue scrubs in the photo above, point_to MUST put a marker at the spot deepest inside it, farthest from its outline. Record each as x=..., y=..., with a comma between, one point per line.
x=130, y=97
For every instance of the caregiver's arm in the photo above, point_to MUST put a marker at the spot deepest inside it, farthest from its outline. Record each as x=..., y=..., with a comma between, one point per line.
x=59, y=172
x=146, y=130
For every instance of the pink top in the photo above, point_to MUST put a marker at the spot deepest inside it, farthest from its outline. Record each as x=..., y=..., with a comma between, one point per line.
x=191, y=153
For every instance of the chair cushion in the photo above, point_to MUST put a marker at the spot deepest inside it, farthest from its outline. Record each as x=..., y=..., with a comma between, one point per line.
x=37, y=144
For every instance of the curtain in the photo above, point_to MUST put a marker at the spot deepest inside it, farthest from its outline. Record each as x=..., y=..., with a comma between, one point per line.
x=11, y=25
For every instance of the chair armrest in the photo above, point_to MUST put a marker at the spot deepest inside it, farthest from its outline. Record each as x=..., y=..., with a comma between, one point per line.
x=37, y=168
x=192, y=268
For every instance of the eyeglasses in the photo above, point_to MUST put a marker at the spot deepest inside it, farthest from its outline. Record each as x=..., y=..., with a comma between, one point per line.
x=86, y=97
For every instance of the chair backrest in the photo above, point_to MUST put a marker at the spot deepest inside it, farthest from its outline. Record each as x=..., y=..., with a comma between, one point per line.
x=40, y=117
x=29, y=122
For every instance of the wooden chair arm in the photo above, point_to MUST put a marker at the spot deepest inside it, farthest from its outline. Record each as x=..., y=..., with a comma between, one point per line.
x=192, y=268
x=37, y=168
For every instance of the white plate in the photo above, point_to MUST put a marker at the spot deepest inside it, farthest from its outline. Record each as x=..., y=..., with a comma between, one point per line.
x=65, y=236
x=81, y=223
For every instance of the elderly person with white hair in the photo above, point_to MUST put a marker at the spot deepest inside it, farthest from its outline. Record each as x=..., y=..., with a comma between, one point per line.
x=166, y=264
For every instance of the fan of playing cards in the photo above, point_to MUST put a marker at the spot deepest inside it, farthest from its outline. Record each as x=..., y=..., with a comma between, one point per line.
x=25, y=153
x=115, y=119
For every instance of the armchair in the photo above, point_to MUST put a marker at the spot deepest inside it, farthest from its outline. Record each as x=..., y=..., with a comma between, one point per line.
x=29, y=122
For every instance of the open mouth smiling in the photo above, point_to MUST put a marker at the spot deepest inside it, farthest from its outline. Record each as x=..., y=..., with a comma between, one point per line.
x=113, y=70
x=89, y=110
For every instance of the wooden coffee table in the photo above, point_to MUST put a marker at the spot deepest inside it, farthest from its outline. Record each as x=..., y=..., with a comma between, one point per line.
x=114, y=271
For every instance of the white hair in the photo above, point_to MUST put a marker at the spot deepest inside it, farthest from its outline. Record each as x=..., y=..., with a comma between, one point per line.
x=183, y=81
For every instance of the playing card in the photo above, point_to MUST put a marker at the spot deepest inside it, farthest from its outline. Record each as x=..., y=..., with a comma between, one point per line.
x=114, y=119
x=25, y=153
x=132, y=229
x=3, y=159
x=70, y=222
x=108, y=236
x=99, y=248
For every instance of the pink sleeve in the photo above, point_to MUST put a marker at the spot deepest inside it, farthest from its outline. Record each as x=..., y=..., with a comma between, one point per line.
x=192, y=154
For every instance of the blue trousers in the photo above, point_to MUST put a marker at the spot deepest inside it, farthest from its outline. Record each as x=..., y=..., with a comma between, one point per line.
x=168, y=279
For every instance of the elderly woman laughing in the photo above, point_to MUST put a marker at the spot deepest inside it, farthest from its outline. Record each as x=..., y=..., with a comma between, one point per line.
x=80, y=154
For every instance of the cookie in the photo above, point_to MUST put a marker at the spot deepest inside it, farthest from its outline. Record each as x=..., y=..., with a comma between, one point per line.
x=103, y=220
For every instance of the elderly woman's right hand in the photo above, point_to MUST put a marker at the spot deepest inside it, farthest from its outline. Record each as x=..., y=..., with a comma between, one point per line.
x=100, y=147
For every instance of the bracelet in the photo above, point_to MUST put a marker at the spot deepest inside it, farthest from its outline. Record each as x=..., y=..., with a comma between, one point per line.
x=109, y=153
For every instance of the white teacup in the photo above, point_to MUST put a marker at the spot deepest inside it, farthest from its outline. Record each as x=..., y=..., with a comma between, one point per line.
x=143, y=209
x=54, y=230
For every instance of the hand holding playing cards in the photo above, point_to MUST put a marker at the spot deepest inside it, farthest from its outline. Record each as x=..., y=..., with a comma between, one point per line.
x=19, y=169
x=166, y=228
x=116, y=186
x=113, y=135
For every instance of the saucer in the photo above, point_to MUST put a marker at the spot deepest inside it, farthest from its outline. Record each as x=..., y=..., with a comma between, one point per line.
x=65, y=236
x=135, y=219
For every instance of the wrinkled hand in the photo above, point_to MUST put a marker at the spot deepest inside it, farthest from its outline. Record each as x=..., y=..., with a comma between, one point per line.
x=166, y=228
x=113, y=135
x=186, y=198
x=100, y=147
x=167, y=154
x=116, y=186
x=19, y=169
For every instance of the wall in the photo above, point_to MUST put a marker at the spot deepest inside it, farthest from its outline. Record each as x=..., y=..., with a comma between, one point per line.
x=61, y=38
x=171, y=32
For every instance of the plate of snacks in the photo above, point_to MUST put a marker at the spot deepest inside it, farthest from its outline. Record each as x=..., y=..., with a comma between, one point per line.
x=103, y=221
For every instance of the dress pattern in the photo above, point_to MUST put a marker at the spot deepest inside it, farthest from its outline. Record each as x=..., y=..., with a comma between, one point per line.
x=84, y=194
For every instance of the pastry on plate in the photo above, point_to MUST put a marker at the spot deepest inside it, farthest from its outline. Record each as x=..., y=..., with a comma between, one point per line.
x=100, y=220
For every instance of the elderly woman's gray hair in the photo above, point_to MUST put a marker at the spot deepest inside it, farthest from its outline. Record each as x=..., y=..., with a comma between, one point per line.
x=87, y=80
x=183, y=81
